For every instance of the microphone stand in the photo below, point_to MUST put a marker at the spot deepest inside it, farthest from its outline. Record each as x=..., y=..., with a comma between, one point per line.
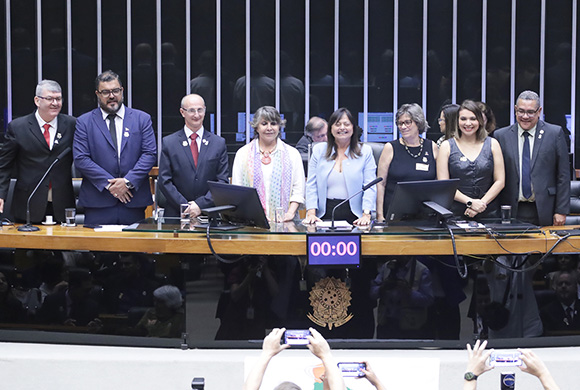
x=372, y=183
x=28, y=227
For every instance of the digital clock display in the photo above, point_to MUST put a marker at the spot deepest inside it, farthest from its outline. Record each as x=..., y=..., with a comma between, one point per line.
x=333, y=250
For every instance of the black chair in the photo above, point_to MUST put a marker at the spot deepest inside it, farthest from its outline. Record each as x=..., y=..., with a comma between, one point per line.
x=377, y=148
x=574, y=217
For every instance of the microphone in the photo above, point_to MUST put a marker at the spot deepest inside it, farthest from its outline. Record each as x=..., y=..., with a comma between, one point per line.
x=29, y=227
x=364, y=188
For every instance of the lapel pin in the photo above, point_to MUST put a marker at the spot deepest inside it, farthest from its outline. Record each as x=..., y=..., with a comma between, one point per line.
x=424, y=159
x=541, y=131
x=56, y=142
x=205, y=142
x=58, y=135
x=540, y=136
x=126, y=134
x=184, y=143
x=463, y=158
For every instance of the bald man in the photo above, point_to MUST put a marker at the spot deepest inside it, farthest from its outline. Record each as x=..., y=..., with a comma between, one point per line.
x=189, y=158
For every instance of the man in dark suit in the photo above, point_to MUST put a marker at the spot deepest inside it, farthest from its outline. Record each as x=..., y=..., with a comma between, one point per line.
x=114, y=149
x=537, y=182
x=562, y=314
x=186, y=165
x=32, y=143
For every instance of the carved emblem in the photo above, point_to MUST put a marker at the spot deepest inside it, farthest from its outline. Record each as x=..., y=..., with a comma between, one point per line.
x=330, y=298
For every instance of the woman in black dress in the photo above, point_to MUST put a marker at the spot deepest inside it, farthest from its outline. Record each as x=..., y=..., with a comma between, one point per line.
x=477, y=161
x=408, y=158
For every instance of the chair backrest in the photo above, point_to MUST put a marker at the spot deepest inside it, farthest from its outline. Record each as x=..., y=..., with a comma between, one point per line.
x=7, y=214
x=574, y=217
x=377, y=148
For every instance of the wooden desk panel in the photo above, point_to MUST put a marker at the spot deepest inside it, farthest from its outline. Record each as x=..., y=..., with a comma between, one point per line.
x=79, y=238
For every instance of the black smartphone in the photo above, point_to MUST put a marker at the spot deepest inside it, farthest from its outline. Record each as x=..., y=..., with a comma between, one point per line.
x=352, y=369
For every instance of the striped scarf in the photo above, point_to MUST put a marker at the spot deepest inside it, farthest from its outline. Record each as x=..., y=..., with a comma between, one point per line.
x=280, y=182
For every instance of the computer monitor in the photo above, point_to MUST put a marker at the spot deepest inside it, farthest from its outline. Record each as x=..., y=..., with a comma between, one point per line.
x=424, y=202
x=247, y=209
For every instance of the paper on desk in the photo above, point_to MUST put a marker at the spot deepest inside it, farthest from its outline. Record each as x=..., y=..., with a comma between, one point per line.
x=111, y=228
x=339, y=224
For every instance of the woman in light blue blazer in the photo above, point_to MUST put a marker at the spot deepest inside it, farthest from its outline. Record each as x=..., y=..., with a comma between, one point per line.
x=338, y=169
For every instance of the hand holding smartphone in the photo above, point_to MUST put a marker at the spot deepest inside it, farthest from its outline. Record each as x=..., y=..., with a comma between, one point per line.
x=296, y=337
x=352, y=369
x=505, y=359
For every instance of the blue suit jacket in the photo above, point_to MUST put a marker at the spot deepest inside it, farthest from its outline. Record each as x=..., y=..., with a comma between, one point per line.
x=96, y=158
x=550, y=170
x=357, y=172
x=179, y=179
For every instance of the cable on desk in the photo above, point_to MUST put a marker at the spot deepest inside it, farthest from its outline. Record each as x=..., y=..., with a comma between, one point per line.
x=459, y=263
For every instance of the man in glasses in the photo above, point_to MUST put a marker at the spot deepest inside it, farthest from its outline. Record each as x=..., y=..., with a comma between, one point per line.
x=537, y=165
x=31, y=145
x=114, y=149
x=189, y=158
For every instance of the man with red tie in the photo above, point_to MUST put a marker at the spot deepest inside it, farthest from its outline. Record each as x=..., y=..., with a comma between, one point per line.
x=31, y=145
x=189, y=158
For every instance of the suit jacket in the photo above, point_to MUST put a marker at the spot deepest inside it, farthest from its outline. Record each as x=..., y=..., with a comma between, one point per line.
x=357, y=172
x=554, y=317
x=550, y=170
x=26, y=150
x=179, y=179
x=96, y=158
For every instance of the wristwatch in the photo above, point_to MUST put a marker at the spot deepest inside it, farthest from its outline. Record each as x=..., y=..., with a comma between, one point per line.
x=469, y=203
x=129, y=184
x=470, y=376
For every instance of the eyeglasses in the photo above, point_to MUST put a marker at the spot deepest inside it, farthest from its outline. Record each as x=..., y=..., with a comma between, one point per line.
x=199, y=111
x=520, y=112
x=108, y=92
x=51, y=99
x=407, y=123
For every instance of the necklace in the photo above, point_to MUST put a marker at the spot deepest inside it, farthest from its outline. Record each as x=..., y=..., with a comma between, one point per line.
x=266, y=159
x=408, y=151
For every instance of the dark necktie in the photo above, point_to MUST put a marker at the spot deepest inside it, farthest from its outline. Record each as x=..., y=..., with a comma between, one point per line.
x=526, y=172
x=193, y=146
x=570, y=313
x=113, y=129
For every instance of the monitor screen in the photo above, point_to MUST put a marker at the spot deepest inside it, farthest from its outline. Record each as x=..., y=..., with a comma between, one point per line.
x=248, y=210
x=379, y=126
x=407, y=204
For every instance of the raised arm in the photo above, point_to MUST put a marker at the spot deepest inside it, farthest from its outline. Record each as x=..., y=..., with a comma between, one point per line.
x=270, y=348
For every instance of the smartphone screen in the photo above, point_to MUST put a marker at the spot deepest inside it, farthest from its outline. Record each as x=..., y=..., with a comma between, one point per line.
x=352, y=369
x=296, y=337
x=504, y=359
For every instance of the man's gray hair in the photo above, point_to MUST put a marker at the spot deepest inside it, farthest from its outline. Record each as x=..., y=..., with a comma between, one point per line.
x=529, y=95
x=170, y=295
x=48, y=86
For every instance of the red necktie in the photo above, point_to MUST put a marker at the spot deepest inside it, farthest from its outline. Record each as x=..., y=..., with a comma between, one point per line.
x=47, y=139
x=193, y=146
x=47, y=134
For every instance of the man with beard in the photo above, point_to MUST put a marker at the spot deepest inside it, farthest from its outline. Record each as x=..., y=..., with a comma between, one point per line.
x=114, y=149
